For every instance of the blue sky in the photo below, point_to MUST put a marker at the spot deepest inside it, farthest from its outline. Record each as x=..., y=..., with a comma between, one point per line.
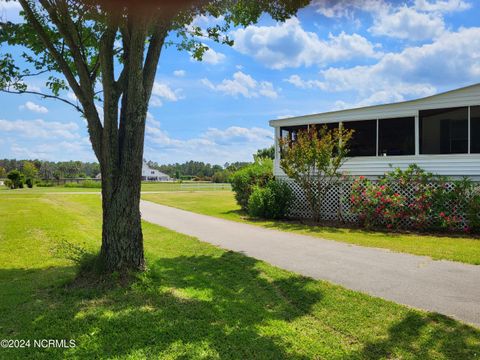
x=333, y=55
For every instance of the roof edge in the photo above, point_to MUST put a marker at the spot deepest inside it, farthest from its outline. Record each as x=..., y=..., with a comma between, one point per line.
x=273, y=121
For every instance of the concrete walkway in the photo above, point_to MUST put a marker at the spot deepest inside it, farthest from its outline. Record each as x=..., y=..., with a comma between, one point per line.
x=446, y=287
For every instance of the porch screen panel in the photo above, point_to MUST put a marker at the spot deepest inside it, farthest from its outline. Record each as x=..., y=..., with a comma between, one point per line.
x=364, y=139
x=396, y=136
x=329, y=126
x=444, y=131
x=475, y=129
x=290, y=132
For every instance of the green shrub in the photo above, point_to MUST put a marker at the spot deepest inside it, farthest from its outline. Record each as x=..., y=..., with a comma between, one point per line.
x=45, y=184
x=88, y=184
x=8, y=183
x=472, y=211
x=17, y=179
x=244, y=180
x=221, y=176
x=29, y=182
x=271, y=201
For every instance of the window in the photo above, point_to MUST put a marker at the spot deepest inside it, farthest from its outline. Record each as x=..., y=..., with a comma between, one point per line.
x=444, y=131
x=364, y=138
x=291, y=132
x=475, y=129
x=396, y=136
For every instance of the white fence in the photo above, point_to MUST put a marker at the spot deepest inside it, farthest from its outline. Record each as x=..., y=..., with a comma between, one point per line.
x=204, y=186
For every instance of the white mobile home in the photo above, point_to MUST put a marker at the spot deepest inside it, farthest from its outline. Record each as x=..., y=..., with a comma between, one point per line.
x=439, y=133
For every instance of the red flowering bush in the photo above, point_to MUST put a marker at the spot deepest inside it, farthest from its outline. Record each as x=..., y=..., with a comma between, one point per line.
x=376, y=204
x=413, y=198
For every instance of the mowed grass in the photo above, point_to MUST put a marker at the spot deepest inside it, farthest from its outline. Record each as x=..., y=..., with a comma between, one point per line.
x=196, y=301
x=146, y=186
x=222, y=204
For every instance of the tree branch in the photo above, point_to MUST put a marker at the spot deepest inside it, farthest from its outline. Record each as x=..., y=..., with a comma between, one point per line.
x=153, y=55
x=46, y=96
x=50, y=47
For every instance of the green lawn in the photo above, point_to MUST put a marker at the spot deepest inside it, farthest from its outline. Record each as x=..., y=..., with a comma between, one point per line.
x=196, y=301
x=146, y=186
x=222, y=204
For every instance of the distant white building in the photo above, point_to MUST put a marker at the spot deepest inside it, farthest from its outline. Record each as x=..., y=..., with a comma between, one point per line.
x=149, y=174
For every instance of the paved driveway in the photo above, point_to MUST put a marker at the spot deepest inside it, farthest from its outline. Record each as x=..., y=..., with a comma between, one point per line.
x=446, y=287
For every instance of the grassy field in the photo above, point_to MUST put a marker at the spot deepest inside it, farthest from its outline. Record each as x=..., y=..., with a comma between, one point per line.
x=196, y=301
x=146, y=186
x=222, y=204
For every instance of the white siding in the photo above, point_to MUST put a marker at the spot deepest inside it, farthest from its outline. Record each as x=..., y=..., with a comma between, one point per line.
x=448, y=165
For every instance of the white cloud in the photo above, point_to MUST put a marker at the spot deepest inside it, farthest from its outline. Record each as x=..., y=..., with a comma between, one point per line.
x=391, y=95
x=10, y=11
x=289, y=45
x=413, y=72
x=72, y=96
x=40, y=128
x=9, y=5
x=155, y=101
x=179, y=73
x=31, y=106
x=304, y=84
x=243, y=84
x=213, y=57
x=414, y=20
x=407, y=23
x=347, y=8
x=204, y=20
x=240, y=133
x=162, y=91
x=79, y=149
x=442, y=5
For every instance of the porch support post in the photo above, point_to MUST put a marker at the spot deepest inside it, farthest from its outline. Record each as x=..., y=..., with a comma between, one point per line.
x=417, y=134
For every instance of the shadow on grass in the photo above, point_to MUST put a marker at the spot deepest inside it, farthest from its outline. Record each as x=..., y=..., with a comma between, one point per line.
x=315, y=229
x=196, y=307
x=310, y=227
x=451, y=341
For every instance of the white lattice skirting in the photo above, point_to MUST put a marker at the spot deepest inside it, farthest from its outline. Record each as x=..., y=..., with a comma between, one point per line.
x=336, y=204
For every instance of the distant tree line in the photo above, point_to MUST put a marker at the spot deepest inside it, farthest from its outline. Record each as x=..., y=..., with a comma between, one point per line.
x=49, y=170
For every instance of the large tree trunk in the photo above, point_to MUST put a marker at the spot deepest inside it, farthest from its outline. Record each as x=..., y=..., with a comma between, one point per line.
x=122, y=159
x=122, y=238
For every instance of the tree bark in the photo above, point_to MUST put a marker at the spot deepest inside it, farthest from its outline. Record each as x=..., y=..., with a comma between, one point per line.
x=122, y=237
